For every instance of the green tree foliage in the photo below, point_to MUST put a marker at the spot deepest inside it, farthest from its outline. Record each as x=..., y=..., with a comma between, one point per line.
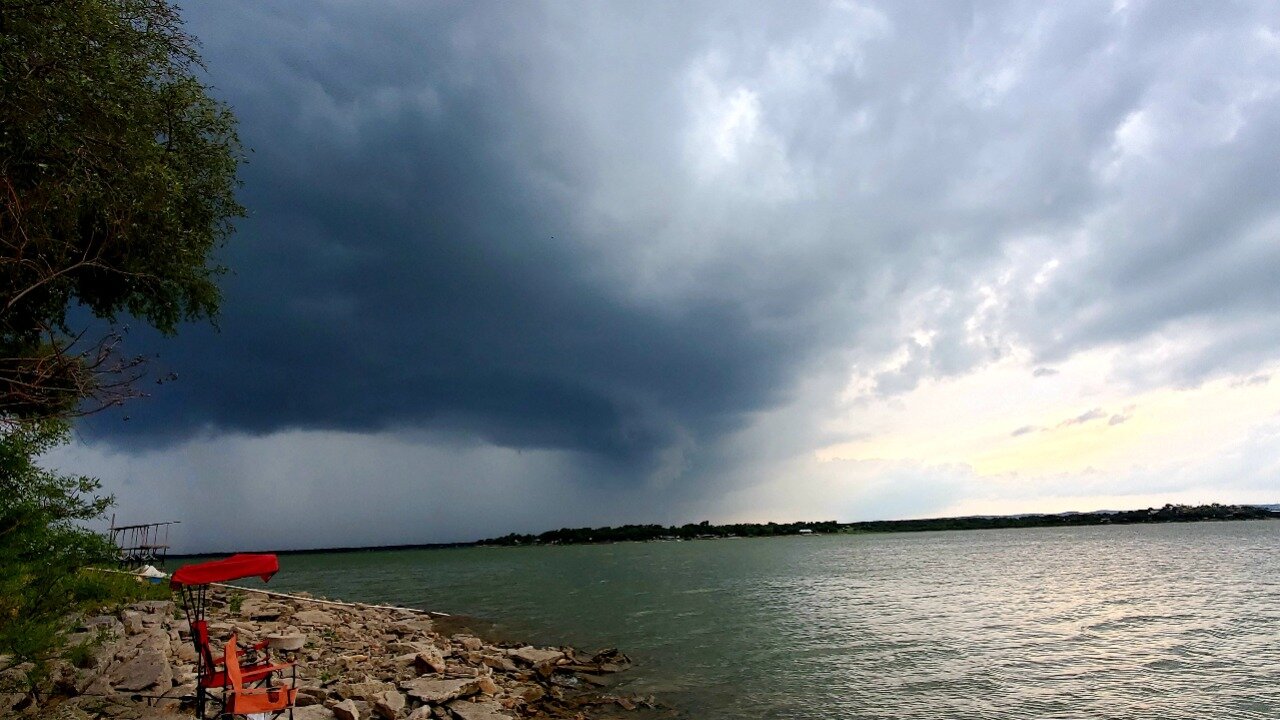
x=42, y=545
x=117, y=182
x=704, y=530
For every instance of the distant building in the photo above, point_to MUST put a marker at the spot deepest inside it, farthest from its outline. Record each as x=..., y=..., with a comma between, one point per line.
x=806, y=531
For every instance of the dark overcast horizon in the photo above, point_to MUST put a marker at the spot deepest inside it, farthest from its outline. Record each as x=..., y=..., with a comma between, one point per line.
x=511, y=267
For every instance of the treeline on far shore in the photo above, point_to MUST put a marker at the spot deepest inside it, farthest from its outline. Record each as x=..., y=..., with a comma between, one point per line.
x=705, y=530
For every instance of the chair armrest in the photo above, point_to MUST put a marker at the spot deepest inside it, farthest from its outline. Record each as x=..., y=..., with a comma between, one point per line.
x=255, y=673
x=259, y=646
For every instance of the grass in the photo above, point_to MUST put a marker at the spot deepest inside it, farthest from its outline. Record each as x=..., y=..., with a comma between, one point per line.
x=35, y=638
x=93, y=590
x=81, y=654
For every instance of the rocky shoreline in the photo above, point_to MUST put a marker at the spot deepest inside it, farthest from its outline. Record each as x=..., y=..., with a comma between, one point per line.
x=354, y=662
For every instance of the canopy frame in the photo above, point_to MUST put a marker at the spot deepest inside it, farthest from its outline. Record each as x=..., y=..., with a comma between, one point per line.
x=193, y=582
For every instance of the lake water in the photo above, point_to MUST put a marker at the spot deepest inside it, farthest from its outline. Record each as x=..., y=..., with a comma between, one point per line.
x=1167, y=621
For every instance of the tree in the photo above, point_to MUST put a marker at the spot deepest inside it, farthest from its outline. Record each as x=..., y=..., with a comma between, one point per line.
x=42, y=544
x=117, y=182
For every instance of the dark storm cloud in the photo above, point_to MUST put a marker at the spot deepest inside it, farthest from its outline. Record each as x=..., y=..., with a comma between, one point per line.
x=624, y=228
x=411, y=259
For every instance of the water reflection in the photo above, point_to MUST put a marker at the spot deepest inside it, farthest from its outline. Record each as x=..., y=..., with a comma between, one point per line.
x=1174, y=621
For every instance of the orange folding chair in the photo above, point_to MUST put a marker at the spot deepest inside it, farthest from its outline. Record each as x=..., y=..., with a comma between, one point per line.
x=251, y=701
x=212, y=670
x=193, y=582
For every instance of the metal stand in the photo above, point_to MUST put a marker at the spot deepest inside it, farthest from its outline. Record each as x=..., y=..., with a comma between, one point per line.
x=139, y=545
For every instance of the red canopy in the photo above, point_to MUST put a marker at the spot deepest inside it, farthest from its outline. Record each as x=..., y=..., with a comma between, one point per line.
x=235, y=567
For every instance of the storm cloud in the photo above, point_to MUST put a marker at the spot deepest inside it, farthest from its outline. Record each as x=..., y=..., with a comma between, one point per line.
x=625, y=231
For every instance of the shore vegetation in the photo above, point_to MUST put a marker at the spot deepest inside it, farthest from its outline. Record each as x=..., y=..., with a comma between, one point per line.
x=117, y=184
x=705, y=530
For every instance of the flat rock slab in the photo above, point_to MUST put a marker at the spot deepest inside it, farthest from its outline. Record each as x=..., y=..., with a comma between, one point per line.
x=435, y=691
x=308, y=696
x=346, y=710
x=315, y=617
x=596, y=680
x=132, y=622
x=534, y=656
x=313, y=712
x=430, y=660
x=406, y=648
x=148, y=668
x=388, y=704
x=479, y=711
x=363, y=690
x=416, y=626
x=155, y=607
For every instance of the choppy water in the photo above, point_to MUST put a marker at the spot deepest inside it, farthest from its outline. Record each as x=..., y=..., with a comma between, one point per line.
x=1171, y=621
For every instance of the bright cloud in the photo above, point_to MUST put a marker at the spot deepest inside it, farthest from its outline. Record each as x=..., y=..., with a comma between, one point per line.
x=687, y=261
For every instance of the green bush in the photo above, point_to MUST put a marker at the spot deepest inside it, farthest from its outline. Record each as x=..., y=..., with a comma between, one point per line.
x=93, y=589
x=81, y=654
x=43, y=547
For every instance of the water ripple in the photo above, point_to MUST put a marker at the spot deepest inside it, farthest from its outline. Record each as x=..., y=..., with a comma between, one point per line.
x=1175, y=622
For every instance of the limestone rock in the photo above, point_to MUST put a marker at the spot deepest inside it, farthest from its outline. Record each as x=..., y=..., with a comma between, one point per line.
x=430, y=690
x=152, y=639
x=534, y=656
x=308, y=696
x=366, y=690
x=405, y=648
x=185, y=652
x=155, y=607
x=313, y=712
x=132, y=622
x=173, y=696
x=95, y=685
x=430, y=660
x=416, y=626
x=404, y=661
x=498, y=662
x=105, y=624
x=315, y=617
x=479, y=711
x=346, y=710
x=147, y=669
x=68, y=711
x=388, y=704
x=596, y=680
x=532, y=693
x=367, y=662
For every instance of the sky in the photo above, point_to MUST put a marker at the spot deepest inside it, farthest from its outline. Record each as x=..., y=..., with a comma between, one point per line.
x=511, y=267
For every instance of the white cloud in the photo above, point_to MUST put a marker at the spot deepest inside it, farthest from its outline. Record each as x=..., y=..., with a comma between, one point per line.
x=929, y=227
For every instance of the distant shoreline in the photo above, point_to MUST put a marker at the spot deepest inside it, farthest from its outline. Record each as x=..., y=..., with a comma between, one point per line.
x=707, y=531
